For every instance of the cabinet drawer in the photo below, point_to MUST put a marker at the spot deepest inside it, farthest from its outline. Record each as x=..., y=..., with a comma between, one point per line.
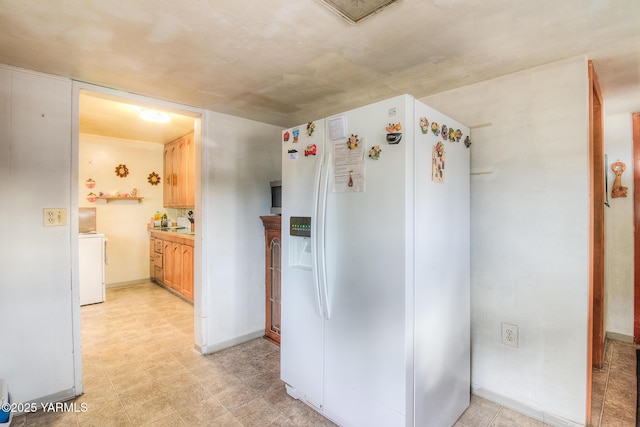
x=158, y=273
x=157, y=260
x=157, y=245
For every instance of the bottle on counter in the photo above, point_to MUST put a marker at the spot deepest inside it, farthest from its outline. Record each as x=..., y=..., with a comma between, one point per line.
x=156, y=220
x=164, y=221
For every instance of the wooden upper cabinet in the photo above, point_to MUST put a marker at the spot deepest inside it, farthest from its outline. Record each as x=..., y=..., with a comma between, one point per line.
x=188, y=169
x=179, y=183
x=167, y=197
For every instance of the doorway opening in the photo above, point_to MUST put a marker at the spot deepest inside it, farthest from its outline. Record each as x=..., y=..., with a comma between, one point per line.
x=119, y=171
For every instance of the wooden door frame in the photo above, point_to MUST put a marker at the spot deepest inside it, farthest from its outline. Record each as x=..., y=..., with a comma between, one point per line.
x=597, y=190
x=635, y=119
x=596, y=226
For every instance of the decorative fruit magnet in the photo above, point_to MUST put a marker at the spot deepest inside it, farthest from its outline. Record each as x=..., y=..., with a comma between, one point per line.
x=394, y=127
x=374, y=152
x=122, y=171
x=352, y=142
x=286, y=136
x=424, y=124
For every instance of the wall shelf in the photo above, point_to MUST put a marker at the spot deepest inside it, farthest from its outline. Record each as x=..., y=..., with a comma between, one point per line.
x=111, y=199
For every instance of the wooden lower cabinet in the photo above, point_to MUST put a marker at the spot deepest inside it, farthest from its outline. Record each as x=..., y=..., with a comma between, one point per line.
x=272, y=238
x=172, y=262
x=186, y=286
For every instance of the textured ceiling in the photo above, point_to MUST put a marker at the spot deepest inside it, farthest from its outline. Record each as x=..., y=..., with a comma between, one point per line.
x=285, y=62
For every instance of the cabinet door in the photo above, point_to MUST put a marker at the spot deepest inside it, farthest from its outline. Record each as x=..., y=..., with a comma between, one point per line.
x=176, y=255
x=152, y=269
x=273, y=291
x=177, y=175
x=188, y=168
x=187, y=271
x=167, y=195
x=167, y=264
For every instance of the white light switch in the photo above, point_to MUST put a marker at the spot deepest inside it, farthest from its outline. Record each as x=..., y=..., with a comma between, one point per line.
x=55, y=217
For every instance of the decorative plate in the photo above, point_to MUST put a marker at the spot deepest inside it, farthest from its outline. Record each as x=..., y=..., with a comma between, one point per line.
x=122, y=171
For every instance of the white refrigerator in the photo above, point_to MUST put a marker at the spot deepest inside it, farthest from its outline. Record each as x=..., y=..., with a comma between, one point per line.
x=375, y=266
x=92, y=255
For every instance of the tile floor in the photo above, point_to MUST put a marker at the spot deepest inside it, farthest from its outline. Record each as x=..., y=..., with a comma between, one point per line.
x=140, y=369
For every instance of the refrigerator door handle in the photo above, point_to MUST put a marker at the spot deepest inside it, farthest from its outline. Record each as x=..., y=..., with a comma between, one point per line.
x=314, y=236
x=320, y=236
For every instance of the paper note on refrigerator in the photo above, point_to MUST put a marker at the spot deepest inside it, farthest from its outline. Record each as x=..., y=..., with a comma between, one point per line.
x=348, y=167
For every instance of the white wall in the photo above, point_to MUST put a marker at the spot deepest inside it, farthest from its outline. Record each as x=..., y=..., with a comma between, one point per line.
x=36, y=319
x=124, y=222
x=239, y=159
x=529, y=236
x=619, y=293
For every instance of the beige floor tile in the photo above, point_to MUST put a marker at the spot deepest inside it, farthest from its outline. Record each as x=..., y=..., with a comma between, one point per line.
x=138, y=354
x=208, y=412
x=150, y=410
x=480, y=413
x=255, y=413
x=508, y=418
x=104, y=419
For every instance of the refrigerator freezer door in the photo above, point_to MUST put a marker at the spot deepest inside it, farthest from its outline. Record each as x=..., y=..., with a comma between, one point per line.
x=91, y=258
x=301, y=346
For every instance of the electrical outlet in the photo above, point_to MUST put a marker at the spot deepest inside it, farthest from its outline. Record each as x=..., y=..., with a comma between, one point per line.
x=54, y=217
x=510, y=334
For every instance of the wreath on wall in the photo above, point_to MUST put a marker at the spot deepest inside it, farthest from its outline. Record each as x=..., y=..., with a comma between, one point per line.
x=122, y=171
x=153, y=178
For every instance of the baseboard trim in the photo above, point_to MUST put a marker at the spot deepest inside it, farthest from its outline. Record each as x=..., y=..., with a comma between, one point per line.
x=619, y=337
x=212, y=348
x=61, y=396
x=127, y=283
x=520, y=407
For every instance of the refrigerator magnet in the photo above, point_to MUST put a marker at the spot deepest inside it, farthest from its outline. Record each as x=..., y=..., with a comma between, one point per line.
x=310, y=150
x=445, y=132
x=437, y=163
x=374, y=152
x=435, y=128
x=296, y=134
x=394, y=127
x=458, y=135
x=311, y=126
x=286, y=136
x=352, y=142
x=452, y=135
x=467, y=141
x=424, y=125
x=293, y=154
x=394, y=138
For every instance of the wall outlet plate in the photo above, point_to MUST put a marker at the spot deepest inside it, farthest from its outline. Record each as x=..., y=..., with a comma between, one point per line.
x=54, y=217
x=509, y=334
